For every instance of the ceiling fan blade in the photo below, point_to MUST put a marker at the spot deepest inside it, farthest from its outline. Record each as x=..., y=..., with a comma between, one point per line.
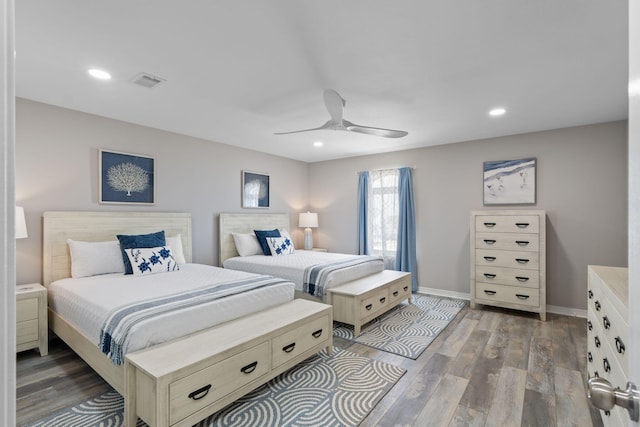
x=324, y=126
x=335, y=105
x=386, y=133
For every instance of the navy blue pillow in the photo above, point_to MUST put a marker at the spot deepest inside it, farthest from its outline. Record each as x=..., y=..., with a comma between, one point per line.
x=152, y=240
x=262, y=238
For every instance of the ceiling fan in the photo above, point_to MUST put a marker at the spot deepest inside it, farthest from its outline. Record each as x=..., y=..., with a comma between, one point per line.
x=335, y=105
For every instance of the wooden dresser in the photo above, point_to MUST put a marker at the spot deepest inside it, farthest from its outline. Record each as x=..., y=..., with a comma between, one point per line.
x=607, y=331
x=508, y=261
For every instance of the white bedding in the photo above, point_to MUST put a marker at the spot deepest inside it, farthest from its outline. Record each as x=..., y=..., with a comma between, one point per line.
x=86, y=302
x=292, y=267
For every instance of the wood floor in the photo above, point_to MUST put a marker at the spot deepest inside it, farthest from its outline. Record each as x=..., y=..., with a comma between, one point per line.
x=489, y=367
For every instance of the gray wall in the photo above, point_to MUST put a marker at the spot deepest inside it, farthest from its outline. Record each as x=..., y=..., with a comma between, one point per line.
x=581, y=183
x=57, y=169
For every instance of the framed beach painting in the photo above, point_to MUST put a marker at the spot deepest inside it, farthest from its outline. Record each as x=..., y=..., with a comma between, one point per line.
x=126, y=178
x=510, y=182
x=255, y=190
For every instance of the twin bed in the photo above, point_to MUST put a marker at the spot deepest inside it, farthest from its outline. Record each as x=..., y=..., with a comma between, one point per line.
x=79, y=307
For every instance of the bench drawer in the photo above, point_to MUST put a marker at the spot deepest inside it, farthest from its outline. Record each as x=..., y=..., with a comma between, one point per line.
x=372, y=304
x=292, y=343
x=202, y=388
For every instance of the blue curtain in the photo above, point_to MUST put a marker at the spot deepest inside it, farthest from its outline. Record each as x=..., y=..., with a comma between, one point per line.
x=363, y=206
x=406, y=253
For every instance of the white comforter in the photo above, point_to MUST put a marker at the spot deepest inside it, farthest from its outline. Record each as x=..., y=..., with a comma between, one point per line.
x=292, y=267
x=86, y=302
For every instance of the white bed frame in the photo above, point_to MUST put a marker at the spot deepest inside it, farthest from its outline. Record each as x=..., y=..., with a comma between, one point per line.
x=98, y=226
x=350, y=300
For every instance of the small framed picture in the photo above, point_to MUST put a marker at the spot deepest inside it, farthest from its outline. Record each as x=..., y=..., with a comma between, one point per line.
x=255, y=190
x=126, y=178
x=510, y=182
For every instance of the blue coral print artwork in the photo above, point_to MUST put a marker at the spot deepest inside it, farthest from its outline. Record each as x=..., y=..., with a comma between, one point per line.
x=126, y=178
x=510, y=182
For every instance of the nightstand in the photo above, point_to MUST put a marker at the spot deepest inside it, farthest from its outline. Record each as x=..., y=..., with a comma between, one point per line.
x=31, y=318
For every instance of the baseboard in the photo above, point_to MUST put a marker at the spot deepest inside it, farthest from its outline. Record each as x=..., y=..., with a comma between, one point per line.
x=565, y=311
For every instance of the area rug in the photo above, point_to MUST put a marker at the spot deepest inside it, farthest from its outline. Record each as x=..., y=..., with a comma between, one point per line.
x=406, y=329
x=336, y=390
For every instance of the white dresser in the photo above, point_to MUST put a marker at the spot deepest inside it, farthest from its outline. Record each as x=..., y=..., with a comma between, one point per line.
x=607, y=331
x=508, y=261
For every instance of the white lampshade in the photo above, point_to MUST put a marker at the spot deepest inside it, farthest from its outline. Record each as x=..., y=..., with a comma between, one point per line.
x=21, y=224
x=308, y=220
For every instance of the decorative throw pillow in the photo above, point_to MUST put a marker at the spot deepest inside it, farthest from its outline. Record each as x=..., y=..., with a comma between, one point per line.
x=93, y=258
x=147, y=261
x=176, y=244
x=247, y=244
x=280, y=245
x=262, y=238
x=151, y=240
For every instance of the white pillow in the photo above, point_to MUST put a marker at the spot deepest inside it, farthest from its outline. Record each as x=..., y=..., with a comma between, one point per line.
x=146, y=261
x=176, y=244
x=94, y=258
x=280, y=245
x=285, y=233
x=247, y=244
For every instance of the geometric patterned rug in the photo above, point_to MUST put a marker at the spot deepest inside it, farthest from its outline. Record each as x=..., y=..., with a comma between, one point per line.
x=336, y=390
x=407, y=329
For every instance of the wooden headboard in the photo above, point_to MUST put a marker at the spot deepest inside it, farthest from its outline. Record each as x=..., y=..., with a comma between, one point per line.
x=246, y=223
x=102, y=226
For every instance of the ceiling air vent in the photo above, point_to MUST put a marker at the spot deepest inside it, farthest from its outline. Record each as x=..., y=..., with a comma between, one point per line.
x=147, y=80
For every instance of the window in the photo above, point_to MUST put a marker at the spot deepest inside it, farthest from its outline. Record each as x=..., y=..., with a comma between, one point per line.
x=383, y=212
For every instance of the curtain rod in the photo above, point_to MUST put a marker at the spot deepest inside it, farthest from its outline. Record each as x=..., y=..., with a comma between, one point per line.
x=387, y=169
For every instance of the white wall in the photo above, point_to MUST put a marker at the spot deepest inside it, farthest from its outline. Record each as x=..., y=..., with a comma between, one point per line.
x=57, y=169
x=581, y=183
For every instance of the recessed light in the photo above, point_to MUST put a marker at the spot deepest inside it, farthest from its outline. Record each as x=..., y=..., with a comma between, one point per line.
x=99, y=74
x=497, y=112
x=318, y=144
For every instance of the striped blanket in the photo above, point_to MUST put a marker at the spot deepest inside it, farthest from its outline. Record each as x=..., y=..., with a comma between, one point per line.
x=121, y=320
x=315, y=276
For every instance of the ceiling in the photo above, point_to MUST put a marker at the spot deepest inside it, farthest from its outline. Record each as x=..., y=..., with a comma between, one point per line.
x=237, y=71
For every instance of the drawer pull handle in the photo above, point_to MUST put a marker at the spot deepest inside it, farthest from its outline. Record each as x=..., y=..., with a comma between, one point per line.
x=382, y=300
x=489, y=275
x=490, y=258
x=589, y=357
x=522, y=224
x=596, y=340
x=606, y=365
x=522, y=242
x=406, y=288
x=607, y=413
x=619, y=345
x=522, y=279
x=490, y=292
x=589, y=325
x=289, y=348
x=395, y=294
x=522, y=260
x=368, y=306
x=489, y=241
x=251, y=367
x=606, y=323
x=490, y=224
x=317, y=333
x=597, y=305
x=200, y=393
x=590, y=294
x=521, y=296
x=595, y=374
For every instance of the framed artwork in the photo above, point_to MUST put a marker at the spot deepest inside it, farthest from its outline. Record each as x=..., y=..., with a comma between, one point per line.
x=126, y=178
x=510, y=182
x=255, y=190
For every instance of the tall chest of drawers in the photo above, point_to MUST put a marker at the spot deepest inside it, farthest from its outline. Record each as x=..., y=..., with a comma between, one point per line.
x=508, y=259
x=607, y=331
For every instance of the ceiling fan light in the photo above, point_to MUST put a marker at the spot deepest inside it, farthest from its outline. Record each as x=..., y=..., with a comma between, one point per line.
x=318, y=144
